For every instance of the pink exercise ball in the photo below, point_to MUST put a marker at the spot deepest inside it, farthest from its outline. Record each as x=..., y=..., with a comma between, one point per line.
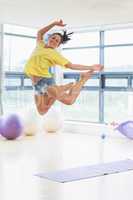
x=1, y=125
x=126, y=128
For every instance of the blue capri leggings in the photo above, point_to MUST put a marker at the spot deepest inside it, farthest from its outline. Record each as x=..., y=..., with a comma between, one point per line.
x=40, y=88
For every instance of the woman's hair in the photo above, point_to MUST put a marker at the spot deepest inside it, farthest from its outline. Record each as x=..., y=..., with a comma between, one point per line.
x=65, y=37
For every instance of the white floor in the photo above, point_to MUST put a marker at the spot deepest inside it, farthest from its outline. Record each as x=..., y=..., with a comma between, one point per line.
x=21, y=159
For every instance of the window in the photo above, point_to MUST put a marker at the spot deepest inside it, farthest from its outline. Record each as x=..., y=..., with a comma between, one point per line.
x=82, y=56
x=14, y=29
x=84, y=48
x=19, y=43
x=17, y=100
x=16, y=51
x=86, y=107
x=83, y=39
x=122, y=36
x=111, y=82
x=119, y=58
x=117, y=106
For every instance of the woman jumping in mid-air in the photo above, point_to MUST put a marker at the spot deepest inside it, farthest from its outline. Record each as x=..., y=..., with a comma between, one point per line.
x=45, y=56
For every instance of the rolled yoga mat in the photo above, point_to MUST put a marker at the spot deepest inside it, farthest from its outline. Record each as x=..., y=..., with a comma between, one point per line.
x=86, y=172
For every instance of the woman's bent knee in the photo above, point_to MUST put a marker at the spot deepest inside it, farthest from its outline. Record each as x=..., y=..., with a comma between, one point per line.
x=68, y=101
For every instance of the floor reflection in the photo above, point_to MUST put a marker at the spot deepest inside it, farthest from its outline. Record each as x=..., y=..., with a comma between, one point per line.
x=21, y=159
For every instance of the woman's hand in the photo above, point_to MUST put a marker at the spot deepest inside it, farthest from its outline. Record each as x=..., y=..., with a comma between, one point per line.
x=59, y=23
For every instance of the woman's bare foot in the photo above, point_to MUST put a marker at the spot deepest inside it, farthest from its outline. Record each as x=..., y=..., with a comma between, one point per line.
x=84, y=76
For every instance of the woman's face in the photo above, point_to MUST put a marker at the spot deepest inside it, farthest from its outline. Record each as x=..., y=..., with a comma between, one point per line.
x=54, y=41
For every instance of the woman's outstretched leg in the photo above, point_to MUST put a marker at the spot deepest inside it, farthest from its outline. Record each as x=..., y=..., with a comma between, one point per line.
x=74, y=91
x=66, y=94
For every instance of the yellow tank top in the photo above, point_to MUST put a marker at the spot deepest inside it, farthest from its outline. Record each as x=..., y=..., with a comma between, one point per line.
x=42, y=59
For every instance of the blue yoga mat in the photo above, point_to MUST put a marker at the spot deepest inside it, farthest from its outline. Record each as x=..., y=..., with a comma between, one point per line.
x=86, y=172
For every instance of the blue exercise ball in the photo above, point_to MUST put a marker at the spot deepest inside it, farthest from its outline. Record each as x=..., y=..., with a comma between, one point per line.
x=12, y=127
x=126, y=128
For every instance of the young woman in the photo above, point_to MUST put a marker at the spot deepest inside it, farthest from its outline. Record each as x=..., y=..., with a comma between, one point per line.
x=37, y=68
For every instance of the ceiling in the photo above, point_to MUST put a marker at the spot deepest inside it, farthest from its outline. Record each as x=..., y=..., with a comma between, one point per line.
x=36, y=13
